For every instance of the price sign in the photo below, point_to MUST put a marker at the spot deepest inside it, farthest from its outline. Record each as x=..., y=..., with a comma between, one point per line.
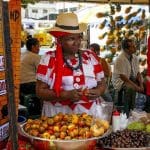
x=1, y=63
x=2, y=87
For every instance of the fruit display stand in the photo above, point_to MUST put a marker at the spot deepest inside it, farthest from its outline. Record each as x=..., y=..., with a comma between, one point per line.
x=65, y=131
x=135, y=136
x=126, y=139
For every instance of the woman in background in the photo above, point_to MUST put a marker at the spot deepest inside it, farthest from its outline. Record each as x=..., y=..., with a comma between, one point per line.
x=29, y=62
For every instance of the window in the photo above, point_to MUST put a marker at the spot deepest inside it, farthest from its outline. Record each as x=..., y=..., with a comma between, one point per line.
x=45, y=11
x=53, y=16
x=34, y=10
x=73, y=9
x=63, y=10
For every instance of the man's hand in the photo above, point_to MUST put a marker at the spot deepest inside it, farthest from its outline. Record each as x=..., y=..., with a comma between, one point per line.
x=139, y=89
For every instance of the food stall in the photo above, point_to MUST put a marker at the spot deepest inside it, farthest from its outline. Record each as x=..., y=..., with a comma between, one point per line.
x=9, y=93
x=10, y=28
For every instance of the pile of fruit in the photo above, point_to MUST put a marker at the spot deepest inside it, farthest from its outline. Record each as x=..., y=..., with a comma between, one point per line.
x=137, y=135
x=139, y=126
x=125, y=139
x=66, y=127
x=143, y=124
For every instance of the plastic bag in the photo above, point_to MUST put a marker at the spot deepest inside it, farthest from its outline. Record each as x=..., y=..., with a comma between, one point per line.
x=140, y=100
x=104, y=110
x=123, y=121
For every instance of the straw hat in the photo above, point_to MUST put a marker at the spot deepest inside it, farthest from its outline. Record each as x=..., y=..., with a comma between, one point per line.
x=68, y=23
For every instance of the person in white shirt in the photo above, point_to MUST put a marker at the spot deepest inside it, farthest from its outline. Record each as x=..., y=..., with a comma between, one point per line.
x=29, y=62
x=126, y=77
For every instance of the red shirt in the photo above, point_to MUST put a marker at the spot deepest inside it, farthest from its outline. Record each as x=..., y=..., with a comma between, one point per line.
x=148, y=68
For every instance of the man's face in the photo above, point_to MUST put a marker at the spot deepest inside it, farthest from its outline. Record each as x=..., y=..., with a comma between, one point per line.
x=36, y=48
x=71, y=43
x=97, y=52
x=131, y=48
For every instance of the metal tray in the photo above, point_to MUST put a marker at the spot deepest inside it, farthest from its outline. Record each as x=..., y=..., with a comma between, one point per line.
x=74, y=140
x=141, y=148
x=74, y=144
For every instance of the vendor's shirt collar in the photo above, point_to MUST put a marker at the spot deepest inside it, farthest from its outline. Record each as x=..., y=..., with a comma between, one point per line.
x=129, y=57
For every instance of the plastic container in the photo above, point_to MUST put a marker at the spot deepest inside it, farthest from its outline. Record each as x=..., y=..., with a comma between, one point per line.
x=140, y=101
x=116, y=121
x=21, y=119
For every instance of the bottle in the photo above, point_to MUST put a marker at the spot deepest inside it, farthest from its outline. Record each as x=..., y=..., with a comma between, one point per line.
x=116, y=121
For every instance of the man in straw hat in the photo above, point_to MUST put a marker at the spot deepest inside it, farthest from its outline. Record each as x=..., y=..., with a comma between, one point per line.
x=68, y=79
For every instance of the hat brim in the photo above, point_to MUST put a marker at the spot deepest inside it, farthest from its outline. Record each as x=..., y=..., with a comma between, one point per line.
x=55, y=30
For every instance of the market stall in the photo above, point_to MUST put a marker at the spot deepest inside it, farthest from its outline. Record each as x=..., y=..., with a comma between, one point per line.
x=9, y=72
x=30, y=133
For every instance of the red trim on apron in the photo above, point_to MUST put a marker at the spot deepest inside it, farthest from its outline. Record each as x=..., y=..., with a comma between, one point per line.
x=73, y=106
x=65, y=102
x=84, y=98
x=85, y=105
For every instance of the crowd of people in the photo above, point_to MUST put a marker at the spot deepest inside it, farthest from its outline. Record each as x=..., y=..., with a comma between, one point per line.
x=72, y=80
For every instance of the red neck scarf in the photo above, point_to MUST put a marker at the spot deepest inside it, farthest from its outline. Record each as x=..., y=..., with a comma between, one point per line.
x=59, y=70
x=59, y=63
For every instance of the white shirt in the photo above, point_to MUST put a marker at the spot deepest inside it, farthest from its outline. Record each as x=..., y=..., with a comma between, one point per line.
x=123, y=66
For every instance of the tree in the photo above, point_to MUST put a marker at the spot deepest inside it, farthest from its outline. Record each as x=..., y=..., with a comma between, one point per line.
x=25, y=2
